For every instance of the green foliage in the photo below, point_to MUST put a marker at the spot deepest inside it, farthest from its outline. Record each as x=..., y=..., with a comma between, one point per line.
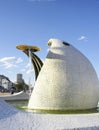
x=21, y=87
x=26, y=87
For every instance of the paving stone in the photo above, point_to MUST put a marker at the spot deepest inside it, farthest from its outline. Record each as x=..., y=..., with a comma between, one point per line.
x=13, y=119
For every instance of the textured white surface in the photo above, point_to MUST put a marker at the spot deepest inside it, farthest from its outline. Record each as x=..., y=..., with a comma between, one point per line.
x=13, y=119
x=67, y=80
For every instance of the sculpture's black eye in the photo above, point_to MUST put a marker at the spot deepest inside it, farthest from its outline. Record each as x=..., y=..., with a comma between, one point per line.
x=65, y=43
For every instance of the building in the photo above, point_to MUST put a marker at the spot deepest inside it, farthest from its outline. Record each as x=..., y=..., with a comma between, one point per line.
x=5, y=82
x=20, y=78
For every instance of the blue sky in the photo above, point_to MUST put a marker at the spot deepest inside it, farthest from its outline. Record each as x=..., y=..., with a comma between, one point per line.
x=34, y=22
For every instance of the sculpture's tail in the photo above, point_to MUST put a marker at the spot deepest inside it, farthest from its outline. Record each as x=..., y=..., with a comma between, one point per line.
x=36, y=61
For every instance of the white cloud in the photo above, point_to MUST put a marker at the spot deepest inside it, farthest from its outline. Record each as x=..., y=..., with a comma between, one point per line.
x=7, y=59
x=29, y=68
x=19, y=60
x=7, y=62
x=82, y=38
x=23, y=70
x=29, y=71
x=10, y=62
x=28, y=65
x=9, y=65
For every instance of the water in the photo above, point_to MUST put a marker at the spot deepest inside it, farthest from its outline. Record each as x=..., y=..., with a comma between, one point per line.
x=24, y=103
x=20, y=104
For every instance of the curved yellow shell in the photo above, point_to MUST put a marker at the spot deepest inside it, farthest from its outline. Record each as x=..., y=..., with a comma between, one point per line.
x=27, y=47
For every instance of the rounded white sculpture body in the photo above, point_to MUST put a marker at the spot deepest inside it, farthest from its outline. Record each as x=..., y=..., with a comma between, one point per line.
x=67, y=80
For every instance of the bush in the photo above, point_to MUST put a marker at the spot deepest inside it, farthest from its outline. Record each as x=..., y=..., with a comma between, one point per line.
x=21, y=87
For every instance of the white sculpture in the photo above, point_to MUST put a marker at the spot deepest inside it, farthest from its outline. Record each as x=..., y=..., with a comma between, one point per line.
x=67, y=80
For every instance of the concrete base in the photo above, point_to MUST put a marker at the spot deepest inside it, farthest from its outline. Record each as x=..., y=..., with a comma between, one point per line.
x=16, y=96
x=13, y=119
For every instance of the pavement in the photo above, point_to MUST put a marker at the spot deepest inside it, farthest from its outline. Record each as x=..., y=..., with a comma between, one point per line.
x=14, y=119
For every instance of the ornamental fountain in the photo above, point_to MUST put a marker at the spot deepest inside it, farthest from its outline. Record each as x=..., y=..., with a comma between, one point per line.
x=66, y=80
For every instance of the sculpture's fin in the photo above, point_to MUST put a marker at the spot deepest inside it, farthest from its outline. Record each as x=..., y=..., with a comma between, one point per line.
x=36, y=61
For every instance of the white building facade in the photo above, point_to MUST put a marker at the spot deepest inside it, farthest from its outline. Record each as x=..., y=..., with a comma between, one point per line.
x=5, y=82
